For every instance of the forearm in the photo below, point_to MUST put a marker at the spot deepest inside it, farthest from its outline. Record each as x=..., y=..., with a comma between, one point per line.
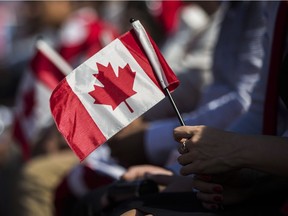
x=265, y=153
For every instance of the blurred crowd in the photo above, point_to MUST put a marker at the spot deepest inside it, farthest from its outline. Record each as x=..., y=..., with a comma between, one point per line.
x=63, y=24
x=220, y=51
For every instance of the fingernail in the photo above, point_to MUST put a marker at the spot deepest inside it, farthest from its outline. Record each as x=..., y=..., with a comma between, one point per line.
x=218, y=189
x=217, y=198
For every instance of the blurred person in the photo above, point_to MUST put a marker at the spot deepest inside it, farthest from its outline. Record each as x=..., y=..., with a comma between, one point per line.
x=8, y=29
x=34, y=19
x=37, y=177
x=237, y=63
x=8, y=25
x=267, y=115
x=33, y=193
x=31, y=110
x=189, y=53
x=80, y=33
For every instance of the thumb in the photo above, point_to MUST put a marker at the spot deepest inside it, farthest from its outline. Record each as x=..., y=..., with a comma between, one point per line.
x=182, y=133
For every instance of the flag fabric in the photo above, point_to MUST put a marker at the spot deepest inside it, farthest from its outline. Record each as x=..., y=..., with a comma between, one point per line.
x=107, y=92
x=32, y=112
x=48, y=66
x=23, y=123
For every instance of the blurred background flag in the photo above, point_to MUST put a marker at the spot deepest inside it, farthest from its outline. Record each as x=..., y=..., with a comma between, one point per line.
x=32, y=111
x=108, y=91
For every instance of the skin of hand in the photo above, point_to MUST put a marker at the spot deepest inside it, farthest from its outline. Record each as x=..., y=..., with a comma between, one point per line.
x=226, y=155
x=140, y=171
x=127, y=146
x=210, y=194
x=209, y=150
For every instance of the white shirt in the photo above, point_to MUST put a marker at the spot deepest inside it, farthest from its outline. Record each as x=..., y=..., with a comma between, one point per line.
x=252, y=121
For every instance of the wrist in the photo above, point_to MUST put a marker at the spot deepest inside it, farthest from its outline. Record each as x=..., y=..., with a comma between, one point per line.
x=247, y=152
x=242, y=149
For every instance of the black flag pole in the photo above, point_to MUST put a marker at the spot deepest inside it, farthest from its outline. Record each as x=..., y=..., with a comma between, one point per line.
x=174, y=107
x=132, y=20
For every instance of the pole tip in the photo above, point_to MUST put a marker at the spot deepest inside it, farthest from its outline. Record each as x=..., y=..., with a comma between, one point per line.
x=132, y=20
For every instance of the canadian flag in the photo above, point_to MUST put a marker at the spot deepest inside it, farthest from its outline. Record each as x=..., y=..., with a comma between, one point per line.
x=110, y=90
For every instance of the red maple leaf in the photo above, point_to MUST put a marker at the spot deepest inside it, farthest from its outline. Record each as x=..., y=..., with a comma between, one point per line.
x=116, y=89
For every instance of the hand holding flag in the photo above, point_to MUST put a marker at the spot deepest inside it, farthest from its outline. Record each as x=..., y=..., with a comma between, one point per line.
x=110, y=90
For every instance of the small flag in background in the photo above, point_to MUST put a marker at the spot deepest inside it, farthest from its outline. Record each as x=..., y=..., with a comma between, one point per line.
x=48, y=66
x=109, y=90
x=32, y=112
